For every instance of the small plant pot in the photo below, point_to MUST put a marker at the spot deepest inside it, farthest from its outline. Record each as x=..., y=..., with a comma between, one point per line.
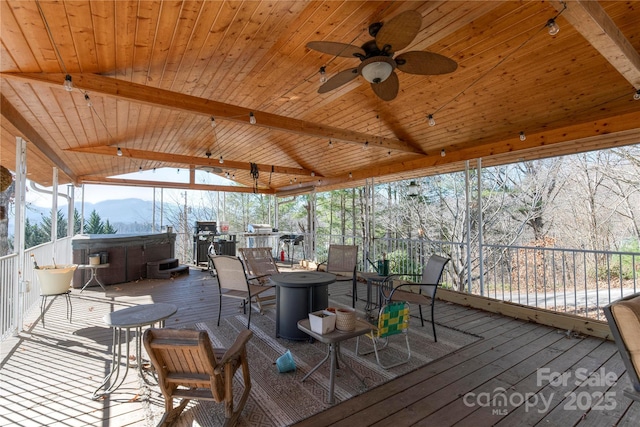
x=345, y=319
x=322, y=322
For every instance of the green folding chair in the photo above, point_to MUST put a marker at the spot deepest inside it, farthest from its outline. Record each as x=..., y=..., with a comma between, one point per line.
x=393, y=320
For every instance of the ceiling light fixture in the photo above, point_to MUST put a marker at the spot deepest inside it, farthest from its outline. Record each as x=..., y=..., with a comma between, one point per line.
x=553, y=27
x=252, y=118
x=213, y=122
x=523, y=137
x=119, y=152
x=431, y=120
x=443, y=153
x=412, y=190
x=323, y=74
x=221, y=160
x=208, y=154
x=68, y=84
x=140, y=169
x=636, y=95
x=377, y=69
x=86, y=98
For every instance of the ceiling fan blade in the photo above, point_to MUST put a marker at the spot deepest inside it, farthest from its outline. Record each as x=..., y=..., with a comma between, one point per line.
x=388, y=89
x=399, y=31
x=338, y=80
x=336, y=48
x=426, y=63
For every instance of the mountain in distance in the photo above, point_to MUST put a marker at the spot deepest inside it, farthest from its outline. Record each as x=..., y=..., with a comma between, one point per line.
x=124, y=211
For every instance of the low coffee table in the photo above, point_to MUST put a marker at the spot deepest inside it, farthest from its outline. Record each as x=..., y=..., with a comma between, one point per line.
x=333, y=340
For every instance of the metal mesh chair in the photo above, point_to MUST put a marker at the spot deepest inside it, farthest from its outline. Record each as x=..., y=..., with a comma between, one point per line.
x=234, y=283
x=393, y=320
x=427, y=287
x=624, y=320
x=342, y=261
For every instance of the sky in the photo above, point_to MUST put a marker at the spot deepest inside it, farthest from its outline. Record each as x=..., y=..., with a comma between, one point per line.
x=99, y=193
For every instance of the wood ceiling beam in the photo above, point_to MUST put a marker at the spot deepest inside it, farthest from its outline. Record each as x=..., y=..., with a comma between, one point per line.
x=591, y=20
x=187, y=160
x=134, y=92
x=615, y=131
x=23, y=126
x=101, y=180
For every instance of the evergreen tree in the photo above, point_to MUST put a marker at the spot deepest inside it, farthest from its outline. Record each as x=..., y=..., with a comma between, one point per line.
x=62, y=225
x=94, y=225
x=33, y=234
x=108, y=228
x=77, y=222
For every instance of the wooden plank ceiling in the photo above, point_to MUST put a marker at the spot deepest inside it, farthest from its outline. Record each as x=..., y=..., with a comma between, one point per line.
x=155, y=74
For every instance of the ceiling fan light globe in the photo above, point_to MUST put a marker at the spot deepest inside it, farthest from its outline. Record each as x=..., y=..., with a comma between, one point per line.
x=377, y=72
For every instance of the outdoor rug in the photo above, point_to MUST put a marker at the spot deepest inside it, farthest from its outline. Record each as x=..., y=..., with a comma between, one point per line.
x=281, y=399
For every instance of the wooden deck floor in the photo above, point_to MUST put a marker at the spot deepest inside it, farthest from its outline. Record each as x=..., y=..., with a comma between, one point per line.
x=48, y=374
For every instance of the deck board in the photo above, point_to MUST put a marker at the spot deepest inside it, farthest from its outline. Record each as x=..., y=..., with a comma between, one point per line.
x=48, y=374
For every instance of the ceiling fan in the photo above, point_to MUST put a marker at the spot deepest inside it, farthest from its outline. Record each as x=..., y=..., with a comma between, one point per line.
x=377, y=62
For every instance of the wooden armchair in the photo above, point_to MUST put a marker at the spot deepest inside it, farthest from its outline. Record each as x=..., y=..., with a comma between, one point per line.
x=623, y=317
x=342, y=261
x=188, y=367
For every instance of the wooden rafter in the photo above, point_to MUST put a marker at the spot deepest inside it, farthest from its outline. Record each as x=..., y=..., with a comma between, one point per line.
x=163, y=98
x=176, y=185
x=11, y=114
x=590, y=20
x=187, y=160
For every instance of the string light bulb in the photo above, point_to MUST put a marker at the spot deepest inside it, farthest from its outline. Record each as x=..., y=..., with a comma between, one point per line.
x=636, y=95
x=252, y=118
x=323, y=74
x=68, y=83
x=431, y=120
x=221, y=160
x=213, y=122
x=443, y=153
x=553, y=27
x=330, y=144
x=523, y=137
x=140, y=169
x=350, y=175
x=313, y=173
x=365, y=145
x=119, y=152
x=86, y=98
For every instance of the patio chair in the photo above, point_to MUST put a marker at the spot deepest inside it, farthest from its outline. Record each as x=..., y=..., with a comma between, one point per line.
x=393, y=320
x=188, y=367
x=342, y=261
x=624, y=320
x=260, y=265
x=427, y=287
x=234, y=283
x=259, y=262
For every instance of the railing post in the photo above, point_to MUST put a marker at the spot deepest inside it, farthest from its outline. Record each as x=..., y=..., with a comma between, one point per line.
x=467, y=194
x=20, y=203
x=480, y=235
